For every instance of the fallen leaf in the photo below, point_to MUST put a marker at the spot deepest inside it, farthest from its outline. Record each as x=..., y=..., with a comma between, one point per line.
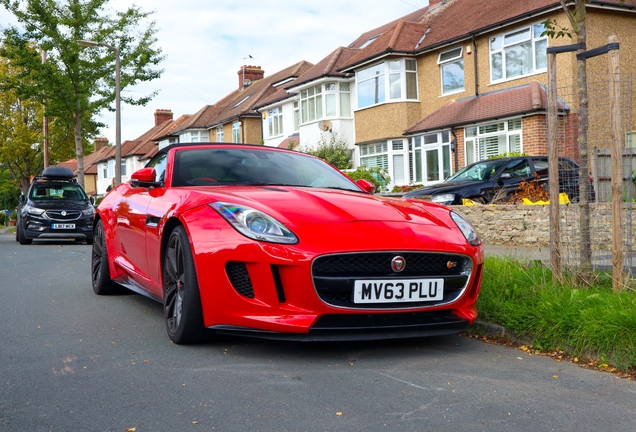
x=555, y=376
x=339, y=413
x=132, y=429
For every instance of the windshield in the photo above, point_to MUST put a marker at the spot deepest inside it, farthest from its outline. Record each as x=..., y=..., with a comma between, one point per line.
x=227, y=166
x=483, y=170
x=57, y=191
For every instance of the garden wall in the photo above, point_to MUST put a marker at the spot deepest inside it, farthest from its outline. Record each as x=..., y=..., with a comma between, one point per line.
x=529, y=225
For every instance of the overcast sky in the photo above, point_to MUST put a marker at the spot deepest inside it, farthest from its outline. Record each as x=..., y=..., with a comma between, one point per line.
x=206, y=42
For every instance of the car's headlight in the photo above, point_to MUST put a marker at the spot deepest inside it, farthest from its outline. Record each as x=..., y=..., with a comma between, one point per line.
x=255, y=224
x=88, y=211
x=34, y=211
x=443, y=198
x=467, y=229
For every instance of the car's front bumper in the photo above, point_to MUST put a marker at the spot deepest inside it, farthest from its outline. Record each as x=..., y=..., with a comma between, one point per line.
x=36, y=228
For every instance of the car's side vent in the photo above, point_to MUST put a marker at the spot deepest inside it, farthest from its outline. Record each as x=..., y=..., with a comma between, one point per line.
x=240, y=278
x=279, y=284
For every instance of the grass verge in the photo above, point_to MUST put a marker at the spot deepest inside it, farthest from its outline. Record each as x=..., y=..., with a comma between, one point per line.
x=591, y=323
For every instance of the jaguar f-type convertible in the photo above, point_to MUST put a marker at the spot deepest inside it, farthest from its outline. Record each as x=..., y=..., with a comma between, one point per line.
x=258, y=241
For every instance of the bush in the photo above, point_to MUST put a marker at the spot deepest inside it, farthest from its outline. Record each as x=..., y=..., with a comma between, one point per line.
x=332, y=149
x=375, y=175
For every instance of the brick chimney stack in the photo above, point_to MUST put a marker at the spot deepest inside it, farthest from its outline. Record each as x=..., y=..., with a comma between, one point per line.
x=162, y=115
x=249, y=74
x=100, y=142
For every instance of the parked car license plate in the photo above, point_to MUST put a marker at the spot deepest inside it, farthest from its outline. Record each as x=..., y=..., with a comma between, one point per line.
x=398, y=290
x=63, y=226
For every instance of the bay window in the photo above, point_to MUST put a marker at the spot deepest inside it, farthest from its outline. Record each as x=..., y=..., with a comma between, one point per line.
x=392, y=80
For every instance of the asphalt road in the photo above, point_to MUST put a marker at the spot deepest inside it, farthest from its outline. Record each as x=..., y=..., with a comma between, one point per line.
x=74, y=361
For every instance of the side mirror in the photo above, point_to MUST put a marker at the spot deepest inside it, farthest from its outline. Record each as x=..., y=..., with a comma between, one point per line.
x=145, y=177
x=22, y=199
x=366, y=185
x=92, y=200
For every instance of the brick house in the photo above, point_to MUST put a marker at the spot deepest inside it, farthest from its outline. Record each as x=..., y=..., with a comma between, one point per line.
x=435, y=91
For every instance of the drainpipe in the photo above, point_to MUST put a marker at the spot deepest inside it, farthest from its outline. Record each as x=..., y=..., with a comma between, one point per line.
x=475, y=65
x=454, y=148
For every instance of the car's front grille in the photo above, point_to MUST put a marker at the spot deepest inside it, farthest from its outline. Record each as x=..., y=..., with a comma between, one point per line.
x=335, y=275
x=64, y=215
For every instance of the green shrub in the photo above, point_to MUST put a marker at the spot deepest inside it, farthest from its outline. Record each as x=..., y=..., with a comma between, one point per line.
x=375, y=175
x=332, y=149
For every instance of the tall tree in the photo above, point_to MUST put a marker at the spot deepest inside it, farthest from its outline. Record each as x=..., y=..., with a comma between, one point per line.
x=79, y=83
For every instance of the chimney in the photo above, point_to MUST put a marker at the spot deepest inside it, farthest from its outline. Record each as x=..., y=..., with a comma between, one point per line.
x=249, y=74
x=162, y=115
x=100, y=142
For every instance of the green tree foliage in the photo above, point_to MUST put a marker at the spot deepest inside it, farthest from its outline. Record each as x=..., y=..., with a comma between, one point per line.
x=21, y=132
x=78, y=83
x=9, y=191
x=333, y=149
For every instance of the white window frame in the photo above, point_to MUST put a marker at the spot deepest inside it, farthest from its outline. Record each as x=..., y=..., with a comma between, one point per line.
x=498, y=47
x=103, y=170
x=275, y=122
x=479, y=141
x=111, y=168
x=452, y=58
x=236, y=132
x=296, y=116
x=220, y=135
x=432, y=141
x=390, y=81
x=124, y=165
x=311, y=104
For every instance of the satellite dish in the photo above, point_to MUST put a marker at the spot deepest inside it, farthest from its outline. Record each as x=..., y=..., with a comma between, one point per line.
x=325, y=125
x=246, y=82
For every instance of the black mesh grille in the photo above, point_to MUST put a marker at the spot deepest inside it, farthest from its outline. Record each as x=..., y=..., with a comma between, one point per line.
x=335, y=275
x=240, y=278
x=279, y=284
x=68, y=214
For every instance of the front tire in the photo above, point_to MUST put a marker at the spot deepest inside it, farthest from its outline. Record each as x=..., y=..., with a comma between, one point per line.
x=181, y=299
x=100, y=272
x=19, y=235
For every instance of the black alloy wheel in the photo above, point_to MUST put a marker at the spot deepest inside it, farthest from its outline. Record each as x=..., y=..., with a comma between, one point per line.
x=181, y=299
x=100, y=273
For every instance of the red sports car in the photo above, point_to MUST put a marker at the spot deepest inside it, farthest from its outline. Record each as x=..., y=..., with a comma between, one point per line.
x=266, y=242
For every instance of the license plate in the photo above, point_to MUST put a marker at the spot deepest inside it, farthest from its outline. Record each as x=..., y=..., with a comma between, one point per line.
x=398, y=290
x=63, y=226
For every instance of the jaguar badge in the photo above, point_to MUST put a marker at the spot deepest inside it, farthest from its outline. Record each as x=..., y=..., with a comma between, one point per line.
x=398, y=264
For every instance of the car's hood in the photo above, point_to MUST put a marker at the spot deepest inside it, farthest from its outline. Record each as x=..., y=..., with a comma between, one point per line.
x=445, y=187
x=310, y=205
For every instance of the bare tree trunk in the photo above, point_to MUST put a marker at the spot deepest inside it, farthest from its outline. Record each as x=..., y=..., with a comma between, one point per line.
x=79, y=151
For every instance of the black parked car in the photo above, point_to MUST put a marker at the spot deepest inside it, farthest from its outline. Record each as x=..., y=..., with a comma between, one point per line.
x=56, y=207
x=485, y=180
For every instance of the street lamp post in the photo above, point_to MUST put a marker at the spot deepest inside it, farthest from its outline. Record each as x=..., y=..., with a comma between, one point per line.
x=92, y=44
